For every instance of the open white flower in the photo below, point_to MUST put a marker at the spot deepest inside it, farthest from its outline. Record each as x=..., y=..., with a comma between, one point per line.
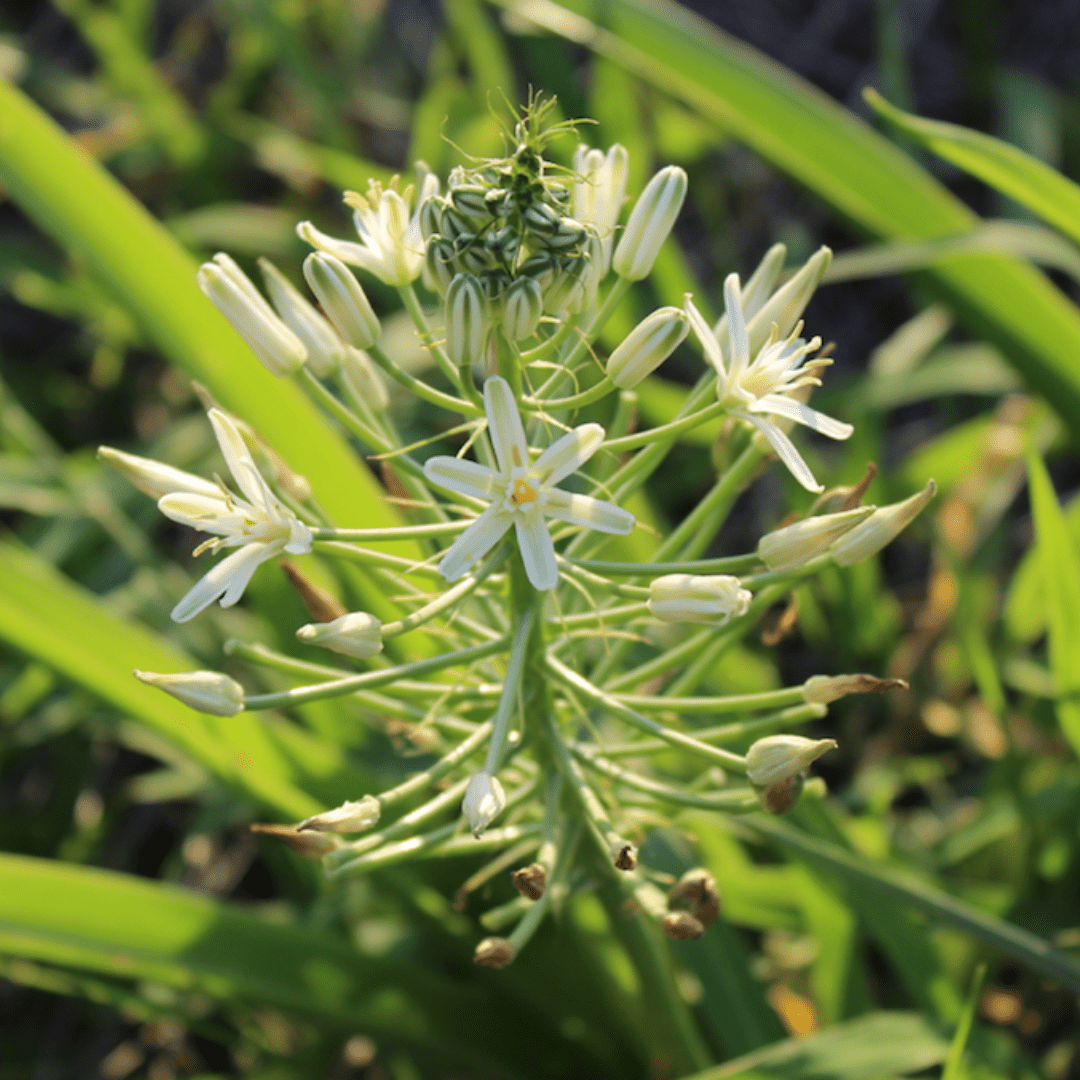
x=758, y=388
x=258, y=525
x=392, y=246
x=522, y=494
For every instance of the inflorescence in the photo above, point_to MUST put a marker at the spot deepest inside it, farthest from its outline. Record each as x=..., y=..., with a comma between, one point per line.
x=547, y=681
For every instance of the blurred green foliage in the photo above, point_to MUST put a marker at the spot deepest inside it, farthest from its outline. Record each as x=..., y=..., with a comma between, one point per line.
x=231, y=122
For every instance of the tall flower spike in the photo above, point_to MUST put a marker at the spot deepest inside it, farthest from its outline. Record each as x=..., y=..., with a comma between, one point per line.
x=392, y=246
x=758, y=387
x=258, y=524
x=521, y=494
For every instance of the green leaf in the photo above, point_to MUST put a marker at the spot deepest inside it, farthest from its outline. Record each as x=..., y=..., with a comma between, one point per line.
x=803, y=132
x=1026, y=179
x=954, y=1064
x=881, y=1044
x=1061, y=589
x=277, y=765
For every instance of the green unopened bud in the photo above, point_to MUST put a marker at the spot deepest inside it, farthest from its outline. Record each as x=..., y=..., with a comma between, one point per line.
x=647, y=346
x=431, y=212
x=794, y=545
x=777, y=757
x=324, y=347
x=204, y=691
x=232, y=293
x=363, y=379
x=698, y=598
x=438, y=271
x=350, y=817
x=880, y=528
x=342, y=298
x=522, y=307
x=470, y=200
x=355, y=634
x=467, y=322
x=650, y=223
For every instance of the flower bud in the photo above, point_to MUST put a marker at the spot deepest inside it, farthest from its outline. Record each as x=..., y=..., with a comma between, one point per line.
x=466, y=319
x=431, y=210
x=355, y=634
x=343, y=299
x=681, y=926
x=438, y=271
x=880, y=528
x=363, y=379
x=825, y=689
x=232, y=293
x=349, y=817
x=204, y=691
x=530, y=881
x=566, y=289
x=650, y=222
x=309, y=845
x=698, y=598
x=324, y=347
x=647, y=346
x=795, y=545
x=484, y=801
x=522, y=307
x=777, y=757
x=494, y=952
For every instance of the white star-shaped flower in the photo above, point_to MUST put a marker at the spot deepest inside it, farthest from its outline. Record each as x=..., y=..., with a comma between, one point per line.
x=759, y=389
x=259, y=525
x=522, y=494
x=392, y=246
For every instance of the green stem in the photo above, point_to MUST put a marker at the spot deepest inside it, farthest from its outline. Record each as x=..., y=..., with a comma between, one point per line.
x=769, y=699
x=405, y=532
x=421, y=388
x=666, y=432
x=427, y=339
x=730, y=564
x=515, y=673
x=575, y=401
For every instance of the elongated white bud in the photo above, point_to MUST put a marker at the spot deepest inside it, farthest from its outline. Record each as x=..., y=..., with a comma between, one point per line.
x=698, y=598
x=342, y=298
x=881, y=528
x=794, y=545
x=522, y=307
x=647, y=346
x=363, y=378
x=778, y=757
x=324, y=347
x=484, y=801
x=233, y=294
x=467, y=321
x=650, y=223
x=349, y=817
x=786, y=305
x=204, y=691
x=355, y=634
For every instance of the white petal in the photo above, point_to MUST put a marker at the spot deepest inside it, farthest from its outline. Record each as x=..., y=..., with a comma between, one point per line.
x=247, y=562
x=464, y=477
x=154, y=478
x=475, y=542
x=537, y=550
x=706, y=337
x=785, y=450
x=346, y=250
x=236, y=568
x=802, y=414
x=238, y=458
x=205, y=513
x=504, y=424
x=588, y=512
x=568, y=454
x=740, y=343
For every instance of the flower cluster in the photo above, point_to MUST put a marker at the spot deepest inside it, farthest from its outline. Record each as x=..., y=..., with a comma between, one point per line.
x=546, y=652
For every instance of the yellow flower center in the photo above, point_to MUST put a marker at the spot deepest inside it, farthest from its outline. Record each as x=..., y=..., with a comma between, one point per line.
x=523, y=492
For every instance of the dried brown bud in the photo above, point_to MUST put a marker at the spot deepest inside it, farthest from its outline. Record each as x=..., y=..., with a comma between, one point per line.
x=681, y=926
x=697, y=891
x=827, y=688
x=780, y=797
x=623, y=855
x=311, y=845
x=323, y=606
x=494, y=952
x=530, y=881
